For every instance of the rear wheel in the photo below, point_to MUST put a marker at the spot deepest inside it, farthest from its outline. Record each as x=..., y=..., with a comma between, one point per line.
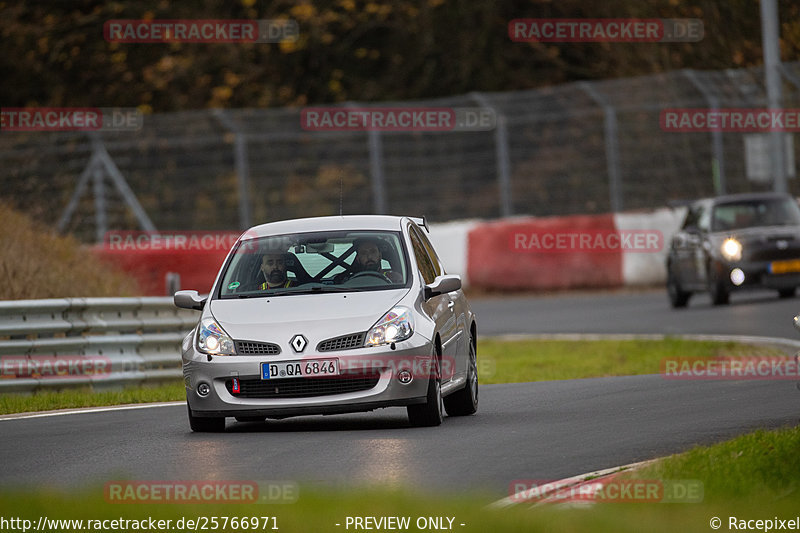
x=205, y=425
x=465, y=401
x=431, y=412
x=677, y=296
x=787, y=293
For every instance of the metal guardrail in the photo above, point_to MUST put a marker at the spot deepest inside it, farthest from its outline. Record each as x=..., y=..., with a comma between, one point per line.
x=100, y=342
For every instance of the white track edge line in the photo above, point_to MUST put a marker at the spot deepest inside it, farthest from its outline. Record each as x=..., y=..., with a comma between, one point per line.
x=87, y=410
x=570, y=481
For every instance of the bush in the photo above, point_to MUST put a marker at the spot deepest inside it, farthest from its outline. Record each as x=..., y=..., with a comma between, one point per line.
x=37, y=263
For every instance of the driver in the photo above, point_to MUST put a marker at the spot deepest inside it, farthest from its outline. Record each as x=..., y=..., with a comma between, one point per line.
x=368, y=259
x=273, y=266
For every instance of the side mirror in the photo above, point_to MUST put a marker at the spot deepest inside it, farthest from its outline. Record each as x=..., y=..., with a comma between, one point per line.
x=189, y=300
x=441, y=285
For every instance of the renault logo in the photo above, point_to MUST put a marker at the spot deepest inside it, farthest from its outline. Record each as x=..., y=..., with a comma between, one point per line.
x=298, y=343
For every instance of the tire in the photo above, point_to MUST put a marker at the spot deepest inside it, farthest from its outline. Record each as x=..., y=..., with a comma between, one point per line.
x=205, y=425
x=678, y=297
x=787, y=293
x=250, y=418
x=465, y=401
x=430, y=413
x=720, y=294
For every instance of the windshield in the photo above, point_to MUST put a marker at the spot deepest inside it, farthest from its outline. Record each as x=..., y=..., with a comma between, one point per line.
x=753, y=213
x=316, y=263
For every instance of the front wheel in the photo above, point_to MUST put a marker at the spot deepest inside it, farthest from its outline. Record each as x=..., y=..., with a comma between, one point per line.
x=205, y=425
x=430, y=413
x=465, y=401
x=720, y=294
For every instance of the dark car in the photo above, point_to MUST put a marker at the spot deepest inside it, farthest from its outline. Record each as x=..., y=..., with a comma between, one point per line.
x=735, y=242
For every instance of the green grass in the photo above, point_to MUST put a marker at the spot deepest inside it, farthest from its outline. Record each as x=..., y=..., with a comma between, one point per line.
x=766, y=463
x=544, y=360
x=85, y=397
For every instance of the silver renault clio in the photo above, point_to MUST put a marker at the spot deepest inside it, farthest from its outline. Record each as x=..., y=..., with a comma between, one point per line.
x=330, y=315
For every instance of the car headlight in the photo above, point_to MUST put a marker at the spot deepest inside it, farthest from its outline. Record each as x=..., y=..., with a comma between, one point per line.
x=396, y=325
x=212, y=339
x=732, y=249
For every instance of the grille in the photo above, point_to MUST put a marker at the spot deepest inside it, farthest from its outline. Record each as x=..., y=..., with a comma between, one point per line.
x=256, y=348
x=773, y=254
x=303, y=387
x=346, y=342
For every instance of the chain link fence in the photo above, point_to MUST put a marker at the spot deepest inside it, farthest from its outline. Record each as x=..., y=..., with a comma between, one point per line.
x=585, y=147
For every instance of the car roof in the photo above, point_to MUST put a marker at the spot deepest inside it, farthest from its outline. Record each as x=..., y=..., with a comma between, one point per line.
x=747, y=196
x=330, y=223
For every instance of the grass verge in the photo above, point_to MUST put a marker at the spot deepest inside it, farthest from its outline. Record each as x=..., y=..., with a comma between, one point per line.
x=543, y=360
x=766, y=463
x=85, y=397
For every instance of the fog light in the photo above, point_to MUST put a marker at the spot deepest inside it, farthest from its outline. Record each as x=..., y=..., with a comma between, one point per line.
x=737, y=276
x=404, y=377
x=203, y=389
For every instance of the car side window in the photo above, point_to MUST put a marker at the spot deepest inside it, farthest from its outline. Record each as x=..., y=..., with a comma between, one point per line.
x=437, y=265
x=692, y=217
x=424, y=263
x=704, y=219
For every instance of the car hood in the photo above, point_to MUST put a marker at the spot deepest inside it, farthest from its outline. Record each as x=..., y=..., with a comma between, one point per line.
x=315, y=316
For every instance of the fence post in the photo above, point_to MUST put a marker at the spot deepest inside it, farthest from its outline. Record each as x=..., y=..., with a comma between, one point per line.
x=375, y=146
x=242, y=166
x=718, y=159
x=770, y=31
x=612, y=146
x=502, y=156
x=376, y=172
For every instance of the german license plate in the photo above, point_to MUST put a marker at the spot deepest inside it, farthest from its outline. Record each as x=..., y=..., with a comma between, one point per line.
x=784, y=267
x=307, y=368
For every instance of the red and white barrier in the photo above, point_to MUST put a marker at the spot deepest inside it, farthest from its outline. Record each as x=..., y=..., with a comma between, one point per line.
x=521, y=253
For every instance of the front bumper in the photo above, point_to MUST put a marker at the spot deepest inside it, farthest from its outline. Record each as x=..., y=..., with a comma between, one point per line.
x=757, y=274
x=278, y=398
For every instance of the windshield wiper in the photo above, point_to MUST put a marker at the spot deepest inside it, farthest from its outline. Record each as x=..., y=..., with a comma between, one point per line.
x=311, y=290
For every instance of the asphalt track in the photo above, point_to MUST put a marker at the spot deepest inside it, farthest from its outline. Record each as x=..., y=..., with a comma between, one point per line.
x=545, y=430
